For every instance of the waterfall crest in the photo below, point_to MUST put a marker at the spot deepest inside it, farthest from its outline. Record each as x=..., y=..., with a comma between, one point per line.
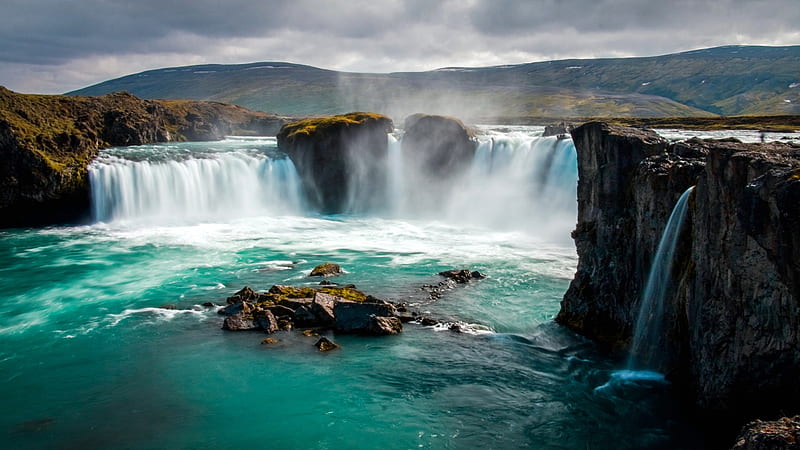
x=650, y=320
x=221, y=186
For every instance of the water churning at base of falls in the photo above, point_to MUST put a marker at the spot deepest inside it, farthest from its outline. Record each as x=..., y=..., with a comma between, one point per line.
x=649, y=326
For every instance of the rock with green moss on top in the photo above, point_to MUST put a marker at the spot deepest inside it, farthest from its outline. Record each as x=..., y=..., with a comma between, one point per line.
x=341, y=159
x=326, y=270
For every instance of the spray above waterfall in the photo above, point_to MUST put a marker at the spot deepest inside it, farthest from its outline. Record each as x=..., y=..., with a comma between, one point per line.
x=649, y=327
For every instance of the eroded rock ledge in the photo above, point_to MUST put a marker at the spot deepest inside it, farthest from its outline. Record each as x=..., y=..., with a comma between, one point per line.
x=47, y=142
x=341, y=159
x=733, y=310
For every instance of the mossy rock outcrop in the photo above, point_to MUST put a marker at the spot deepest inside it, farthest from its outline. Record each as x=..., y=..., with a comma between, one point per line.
x=48, y=141
x=341, y=160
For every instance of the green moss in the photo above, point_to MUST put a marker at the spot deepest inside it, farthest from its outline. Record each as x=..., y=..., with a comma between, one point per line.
x=347, y=293
x=279, y=293
x=321, y=125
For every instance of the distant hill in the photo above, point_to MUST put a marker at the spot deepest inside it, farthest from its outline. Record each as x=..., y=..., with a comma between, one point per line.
x=732, y=80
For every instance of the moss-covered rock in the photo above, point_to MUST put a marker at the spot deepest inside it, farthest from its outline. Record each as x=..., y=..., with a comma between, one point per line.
x=326, y=270
x=341, y=160
x=48, y=141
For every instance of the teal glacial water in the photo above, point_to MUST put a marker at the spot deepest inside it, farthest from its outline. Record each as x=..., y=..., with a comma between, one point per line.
x=104, y=342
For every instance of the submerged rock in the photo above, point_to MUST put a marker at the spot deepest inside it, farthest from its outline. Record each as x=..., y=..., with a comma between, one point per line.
x=325, y=345
x=462, y=276
x=326, y=270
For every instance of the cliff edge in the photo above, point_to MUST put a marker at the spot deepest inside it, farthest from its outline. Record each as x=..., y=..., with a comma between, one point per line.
x=731, y=315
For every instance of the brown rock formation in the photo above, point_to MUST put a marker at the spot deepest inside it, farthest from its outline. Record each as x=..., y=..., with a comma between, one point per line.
x=47, y=142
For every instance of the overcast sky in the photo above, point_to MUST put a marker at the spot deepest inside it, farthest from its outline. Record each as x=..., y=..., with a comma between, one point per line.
x=53, y=46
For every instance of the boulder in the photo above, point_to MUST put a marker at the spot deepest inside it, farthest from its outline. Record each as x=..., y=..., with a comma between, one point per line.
x=240, y=322
x=561, y=130
x=266, y=321
x=356, y=317
x=281, y=310
x=322, y=308
x=325, y=345
x=438, y=146
x=303, y=317
x=326, y=270
x=782, y=434
x=243, y=295
x=382, y=326
x=341, y=160
x=236, y=308
x=462, y=276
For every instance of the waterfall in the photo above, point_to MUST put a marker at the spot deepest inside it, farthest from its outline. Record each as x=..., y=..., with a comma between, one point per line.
x=516, y=180
x=519, y=181
x=649, y=324
x=395, y=178
x=223, y=185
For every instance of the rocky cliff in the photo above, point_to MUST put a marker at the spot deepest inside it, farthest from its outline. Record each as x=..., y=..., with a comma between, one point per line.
x=732, y=313
x=47, y=142
x=341, y=160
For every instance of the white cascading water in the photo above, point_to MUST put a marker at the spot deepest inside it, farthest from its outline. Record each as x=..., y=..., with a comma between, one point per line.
x=517, y=180
x=213, y=186
x=650, y=320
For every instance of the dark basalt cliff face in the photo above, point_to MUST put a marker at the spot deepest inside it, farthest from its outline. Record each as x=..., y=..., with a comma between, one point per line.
x=48, y=141
x=732, y=312
x=341, y=160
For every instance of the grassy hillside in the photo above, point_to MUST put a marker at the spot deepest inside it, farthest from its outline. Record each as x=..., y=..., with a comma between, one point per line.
x=724, y=80
x=47, y=142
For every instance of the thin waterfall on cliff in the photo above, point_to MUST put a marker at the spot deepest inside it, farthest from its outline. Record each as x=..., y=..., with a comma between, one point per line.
x=204, y=186
x=649, y=325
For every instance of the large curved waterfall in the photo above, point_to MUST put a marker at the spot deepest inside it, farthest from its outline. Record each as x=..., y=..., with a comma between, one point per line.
x=517, y=179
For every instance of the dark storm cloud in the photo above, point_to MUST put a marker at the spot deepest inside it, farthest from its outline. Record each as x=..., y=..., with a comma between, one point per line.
x=56, y=45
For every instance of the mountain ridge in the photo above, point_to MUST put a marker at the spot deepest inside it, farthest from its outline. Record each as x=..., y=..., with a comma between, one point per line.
x=728, y=80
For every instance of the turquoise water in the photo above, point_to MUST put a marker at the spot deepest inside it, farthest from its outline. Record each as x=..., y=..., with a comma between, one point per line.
x=104, y=344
